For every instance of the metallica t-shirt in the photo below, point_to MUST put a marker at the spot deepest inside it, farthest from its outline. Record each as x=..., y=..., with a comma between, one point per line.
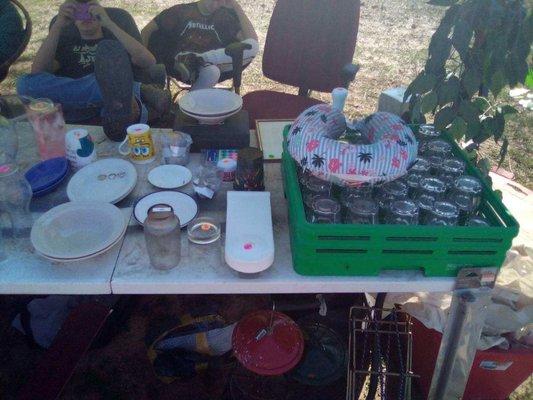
x=184, y=28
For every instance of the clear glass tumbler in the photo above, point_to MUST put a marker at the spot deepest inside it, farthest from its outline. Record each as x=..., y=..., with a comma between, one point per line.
x=326, y=211
x=450, y=170
x=438, y=147
x=466, y=195
x=362, y=211
x=443, y=213
x=425, y=134
x=432, y=187
x=476, y=220
x=389, y=192
x=49, y=126
x=15, y=198
x=402, y=212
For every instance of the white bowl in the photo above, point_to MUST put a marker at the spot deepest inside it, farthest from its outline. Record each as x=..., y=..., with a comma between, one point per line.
x=211, y=120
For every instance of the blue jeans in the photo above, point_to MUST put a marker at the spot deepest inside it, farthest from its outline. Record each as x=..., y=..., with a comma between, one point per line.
x=80, y=98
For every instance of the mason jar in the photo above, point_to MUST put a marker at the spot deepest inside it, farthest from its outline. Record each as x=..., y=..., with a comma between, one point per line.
x=362, y=211
x=443, y=213
x=326, y=211
x=402, y=212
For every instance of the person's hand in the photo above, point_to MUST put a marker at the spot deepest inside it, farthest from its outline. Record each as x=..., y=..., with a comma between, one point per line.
x=66, y=14
x=99, y=13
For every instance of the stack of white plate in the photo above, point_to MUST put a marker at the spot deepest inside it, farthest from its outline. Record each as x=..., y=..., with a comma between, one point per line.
x=78, y=231
x=210, y=106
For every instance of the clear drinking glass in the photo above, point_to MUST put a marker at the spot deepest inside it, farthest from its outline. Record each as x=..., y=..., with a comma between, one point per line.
x=349, y=194
x=443, y=213
x=402, y=212
x=175, y=148
x=438, y=147
x=8, y=142
x=326, y=211
x=435, y=162
x=476, y=220
x=387, y=193
x=422, y=166
x=49, y=126
x=466, y=195
x=425, y=205
x=425, y=134
x=313, y=187
x=412, y=180
x=162, y=232
x=450, y=170
x=431, y=187
x=15, y=198
x=362, y=211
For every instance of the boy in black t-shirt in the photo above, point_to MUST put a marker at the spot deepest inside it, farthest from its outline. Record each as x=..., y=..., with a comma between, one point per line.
x=190, y=39
x=91, y=73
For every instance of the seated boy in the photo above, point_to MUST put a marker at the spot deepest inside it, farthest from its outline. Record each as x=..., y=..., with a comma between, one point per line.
x=91, y=74
x=190, y=40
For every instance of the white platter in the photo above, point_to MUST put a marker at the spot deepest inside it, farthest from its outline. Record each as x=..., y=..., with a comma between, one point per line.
x=108, y=180
x=169, y=176
x=77, y=230
x=210, y=102
x=184, y=206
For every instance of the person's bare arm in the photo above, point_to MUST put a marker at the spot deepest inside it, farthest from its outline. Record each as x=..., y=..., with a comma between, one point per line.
x=147, y=32
x=140, y=56
x=247, y=29
x=44, y=60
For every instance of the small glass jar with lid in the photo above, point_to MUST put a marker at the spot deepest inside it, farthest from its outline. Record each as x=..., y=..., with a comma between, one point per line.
x=162, y=233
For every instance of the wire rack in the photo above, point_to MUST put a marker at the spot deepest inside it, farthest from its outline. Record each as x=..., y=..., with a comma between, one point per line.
x=380, y=354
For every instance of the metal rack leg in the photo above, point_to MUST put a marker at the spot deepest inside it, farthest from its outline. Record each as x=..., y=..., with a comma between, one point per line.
x=471, y=297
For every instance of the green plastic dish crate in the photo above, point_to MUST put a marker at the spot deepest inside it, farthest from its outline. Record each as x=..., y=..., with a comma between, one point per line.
x=350, y=249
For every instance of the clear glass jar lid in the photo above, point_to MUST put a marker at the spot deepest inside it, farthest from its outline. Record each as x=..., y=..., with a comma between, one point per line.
x=203, y=230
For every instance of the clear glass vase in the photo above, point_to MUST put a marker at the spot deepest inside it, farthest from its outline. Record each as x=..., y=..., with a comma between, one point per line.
x=15, y=198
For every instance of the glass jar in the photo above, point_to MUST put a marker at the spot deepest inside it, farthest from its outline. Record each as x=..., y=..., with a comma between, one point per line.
x=389, y=192
x=402, y=212
x=431, y=187
x=326, y=211
x=443, y=213
x=15, y=198
x=162, y=233
x=49, y=126
x=362, y=211
x=425, y=205
x=450, y=170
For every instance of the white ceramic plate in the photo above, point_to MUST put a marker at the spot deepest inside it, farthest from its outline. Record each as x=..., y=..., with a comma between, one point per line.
x=90, y=255
x=169, y=176
x=211, y=120
x=210, y=102
x=77, y=229
x=108, y=180
x=184, y=206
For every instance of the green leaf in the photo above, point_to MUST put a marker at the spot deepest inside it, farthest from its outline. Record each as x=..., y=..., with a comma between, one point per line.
x=498, y=126
x=507, y=109
x=444, y=117
x=428, y=102
x=449, y=91
x=458, y=128
x=471, y=81
x=486, y=130
x=462, y=36
x=439, y=52
x=503, y=151
x=469, y=111
x=497, y=82
x=423, y=83
x=481, y=103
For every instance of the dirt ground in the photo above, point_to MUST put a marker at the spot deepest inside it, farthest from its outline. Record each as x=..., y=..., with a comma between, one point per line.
x=391, y=49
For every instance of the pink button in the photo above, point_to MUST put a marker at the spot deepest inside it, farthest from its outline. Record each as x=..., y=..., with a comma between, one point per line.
x=248, y=246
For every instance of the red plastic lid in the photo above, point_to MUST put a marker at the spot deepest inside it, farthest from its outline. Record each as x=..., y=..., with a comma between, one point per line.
x=265, y=350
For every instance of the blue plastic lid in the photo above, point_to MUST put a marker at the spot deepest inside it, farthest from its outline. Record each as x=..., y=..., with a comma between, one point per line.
x=47, y=173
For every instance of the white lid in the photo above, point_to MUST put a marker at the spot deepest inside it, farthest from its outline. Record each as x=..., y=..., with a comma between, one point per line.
x=227, y=165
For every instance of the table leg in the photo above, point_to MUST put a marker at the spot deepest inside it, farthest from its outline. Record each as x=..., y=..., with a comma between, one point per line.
x=471, y=297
